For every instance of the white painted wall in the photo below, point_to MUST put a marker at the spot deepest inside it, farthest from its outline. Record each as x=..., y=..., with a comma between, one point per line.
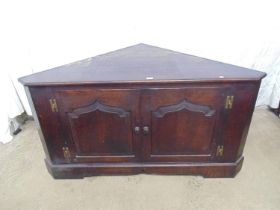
x=37, y=35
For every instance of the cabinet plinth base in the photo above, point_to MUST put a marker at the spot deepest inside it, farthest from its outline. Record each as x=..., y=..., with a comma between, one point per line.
x=207, y=170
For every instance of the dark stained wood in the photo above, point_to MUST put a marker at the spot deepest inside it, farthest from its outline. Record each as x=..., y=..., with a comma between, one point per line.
x=38, y=126
x=205, y=169
x=137, y=64
x=162, y=111
x=89, y=126
x=182, y=123
x=99, y=123
x=110, y=119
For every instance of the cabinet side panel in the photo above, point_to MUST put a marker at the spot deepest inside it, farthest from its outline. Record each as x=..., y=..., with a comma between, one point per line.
x=253, y=98
x=48, y=121
x=239, y=120
x=37, y=123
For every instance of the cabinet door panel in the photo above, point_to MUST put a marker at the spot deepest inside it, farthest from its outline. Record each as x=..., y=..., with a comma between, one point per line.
x=99, y=124
x=182, y=123
x=99, y=129
x=173, y=131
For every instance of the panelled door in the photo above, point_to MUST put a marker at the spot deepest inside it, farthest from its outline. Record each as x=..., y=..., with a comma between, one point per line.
x=99, y=124
x=179, y=124
x=129, y=125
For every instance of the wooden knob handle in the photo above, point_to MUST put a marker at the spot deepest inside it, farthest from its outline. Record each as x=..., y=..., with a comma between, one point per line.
x=137, y=130
x=146, y=130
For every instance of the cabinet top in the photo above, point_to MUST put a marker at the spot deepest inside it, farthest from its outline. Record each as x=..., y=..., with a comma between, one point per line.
x=141, y=63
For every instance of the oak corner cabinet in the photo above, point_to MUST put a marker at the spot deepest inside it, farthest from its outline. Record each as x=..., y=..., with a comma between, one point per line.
x=143, y=109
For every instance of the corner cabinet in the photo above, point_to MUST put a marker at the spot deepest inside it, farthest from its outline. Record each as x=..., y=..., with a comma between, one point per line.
x=104, y=121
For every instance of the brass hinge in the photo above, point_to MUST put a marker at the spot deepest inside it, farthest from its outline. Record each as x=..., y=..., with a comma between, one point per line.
x=53, y=105
x=220, y=150
x=66, y=153
x=229, y=102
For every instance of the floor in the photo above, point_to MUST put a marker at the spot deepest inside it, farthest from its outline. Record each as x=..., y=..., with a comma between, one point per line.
x=26, y=184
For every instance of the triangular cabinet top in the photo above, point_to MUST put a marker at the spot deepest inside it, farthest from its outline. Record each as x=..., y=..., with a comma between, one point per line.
x=141, y=63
